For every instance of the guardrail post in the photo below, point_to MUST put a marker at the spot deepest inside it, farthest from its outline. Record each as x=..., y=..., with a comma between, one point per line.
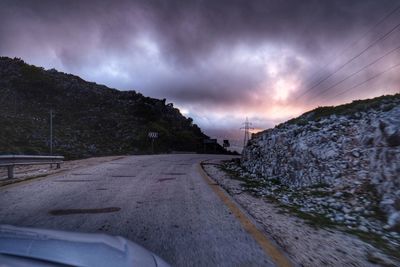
x=10, y=161
x=10, y=171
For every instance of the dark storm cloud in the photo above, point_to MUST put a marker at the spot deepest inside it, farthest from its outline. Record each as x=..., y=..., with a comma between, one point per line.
x=188, y=30
x=210, y=54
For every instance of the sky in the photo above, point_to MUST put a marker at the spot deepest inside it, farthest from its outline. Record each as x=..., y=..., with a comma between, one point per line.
x=217, y=61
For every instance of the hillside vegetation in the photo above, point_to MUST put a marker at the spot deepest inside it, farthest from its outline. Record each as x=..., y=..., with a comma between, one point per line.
x=382, y=103
x=89, y=119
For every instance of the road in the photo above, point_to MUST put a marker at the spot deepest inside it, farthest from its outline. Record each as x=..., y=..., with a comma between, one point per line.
x=160, y=202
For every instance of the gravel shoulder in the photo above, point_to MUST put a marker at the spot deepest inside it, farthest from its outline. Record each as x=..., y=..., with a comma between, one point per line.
x=305, y=244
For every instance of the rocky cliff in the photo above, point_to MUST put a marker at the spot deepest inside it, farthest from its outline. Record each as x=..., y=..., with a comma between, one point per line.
x=342, y=162
x=89, y=119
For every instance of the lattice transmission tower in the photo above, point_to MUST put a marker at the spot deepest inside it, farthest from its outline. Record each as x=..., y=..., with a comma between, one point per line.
x=247, y=127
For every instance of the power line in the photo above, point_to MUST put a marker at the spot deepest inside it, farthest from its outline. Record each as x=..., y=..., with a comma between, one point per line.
x=360, y=70
x=369, y=79
x=341, y=52
x=383, y=37
x=357, y=72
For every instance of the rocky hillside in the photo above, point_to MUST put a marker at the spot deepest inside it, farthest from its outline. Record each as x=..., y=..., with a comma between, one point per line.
x=89, y=119
x=342, y=163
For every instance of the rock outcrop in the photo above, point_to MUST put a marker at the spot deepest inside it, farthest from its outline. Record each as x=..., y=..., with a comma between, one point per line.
x=352, y=151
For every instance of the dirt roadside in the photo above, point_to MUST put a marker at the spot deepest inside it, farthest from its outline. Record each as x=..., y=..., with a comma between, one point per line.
x=306, y=245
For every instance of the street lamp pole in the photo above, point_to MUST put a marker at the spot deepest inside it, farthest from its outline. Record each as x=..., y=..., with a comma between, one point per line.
x=51, y=132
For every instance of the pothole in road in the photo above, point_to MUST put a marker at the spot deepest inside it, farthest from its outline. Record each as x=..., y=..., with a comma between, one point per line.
x=69, y=181
x=165, y=179
x=83, y=211
x=100, y=189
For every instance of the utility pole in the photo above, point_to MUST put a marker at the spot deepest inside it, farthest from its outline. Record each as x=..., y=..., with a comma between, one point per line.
x=51, y=132
x=247, y=127
x=15, y=103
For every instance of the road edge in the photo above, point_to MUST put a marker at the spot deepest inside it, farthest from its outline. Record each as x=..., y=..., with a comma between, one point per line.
x=270, y=249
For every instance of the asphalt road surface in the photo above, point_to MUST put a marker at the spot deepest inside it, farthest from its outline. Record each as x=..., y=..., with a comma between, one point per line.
x=160, y=202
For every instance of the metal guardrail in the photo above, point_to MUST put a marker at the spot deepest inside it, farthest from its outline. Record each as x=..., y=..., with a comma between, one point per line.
x=10, y=161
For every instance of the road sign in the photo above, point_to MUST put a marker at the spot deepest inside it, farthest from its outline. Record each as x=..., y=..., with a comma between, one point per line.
x=226, y=143
x=153, y=135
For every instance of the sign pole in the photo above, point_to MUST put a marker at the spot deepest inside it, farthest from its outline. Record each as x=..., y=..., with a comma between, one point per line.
x=152, y=136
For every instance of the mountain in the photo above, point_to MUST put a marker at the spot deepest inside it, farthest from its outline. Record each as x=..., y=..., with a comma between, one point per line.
x=341, y=162
x=88, y=119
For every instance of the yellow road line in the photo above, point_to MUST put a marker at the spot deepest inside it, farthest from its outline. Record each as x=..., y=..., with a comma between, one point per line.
x=269, y=248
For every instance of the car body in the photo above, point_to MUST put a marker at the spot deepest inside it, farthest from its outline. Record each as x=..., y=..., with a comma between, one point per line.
x=21, y=246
